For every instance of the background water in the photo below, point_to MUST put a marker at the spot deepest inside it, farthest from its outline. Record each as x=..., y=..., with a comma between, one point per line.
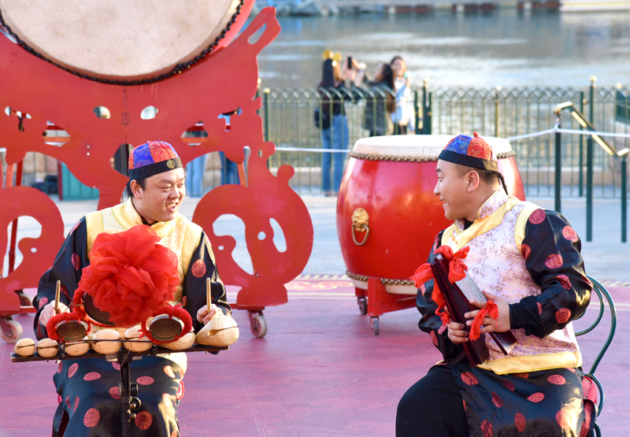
x=503, y=47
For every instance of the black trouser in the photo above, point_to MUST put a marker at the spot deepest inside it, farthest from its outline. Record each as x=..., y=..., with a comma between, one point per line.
x=432, y=407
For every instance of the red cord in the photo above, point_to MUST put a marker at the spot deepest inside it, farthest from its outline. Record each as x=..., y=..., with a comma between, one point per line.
x=491, y=310
x=457, y=272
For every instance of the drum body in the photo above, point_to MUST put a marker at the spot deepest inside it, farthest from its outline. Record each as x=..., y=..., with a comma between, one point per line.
x=388, y=187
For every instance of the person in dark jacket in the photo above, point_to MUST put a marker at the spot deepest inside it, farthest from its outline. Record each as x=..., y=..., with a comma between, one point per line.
x=380, y=101
x=330, y=117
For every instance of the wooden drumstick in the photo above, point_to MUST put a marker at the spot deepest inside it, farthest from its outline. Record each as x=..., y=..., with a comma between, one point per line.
x=208, y=294
x=57, y=296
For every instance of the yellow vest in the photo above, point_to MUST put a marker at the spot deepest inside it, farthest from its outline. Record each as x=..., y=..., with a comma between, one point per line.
x=180, y=235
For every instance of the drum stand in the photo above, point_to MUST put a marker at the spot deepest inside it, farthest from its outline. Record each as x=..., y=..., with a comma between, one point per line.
x=128, y=391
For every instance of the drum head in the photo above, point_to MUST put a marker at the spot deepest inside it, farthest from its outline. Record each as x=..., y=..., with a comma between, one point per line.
x=165, y=328
x=428, y=147
x=94, y=313
x=71, y=330
x=120, y=39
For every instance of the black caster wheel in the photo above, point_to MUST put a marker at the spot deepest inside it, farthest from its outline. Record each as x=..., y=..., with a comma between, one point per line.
x=362, y=302
x=258, y=325
x=376, y=325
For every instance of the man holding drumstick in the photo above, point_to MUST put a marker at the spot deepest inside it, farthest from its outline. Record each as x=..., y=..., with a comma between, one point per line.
x=528, y=262
x=89, y=388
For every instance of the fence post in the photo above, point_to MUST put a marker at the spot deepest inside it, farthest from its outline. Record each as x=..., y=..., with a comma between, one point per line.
x=496, y=112
x=425, y=89
x=581, y=143
x=266, y=106
x=624, y=198
x=589, y=166
x=416, y=112
x=429, y=116
x=558, y=171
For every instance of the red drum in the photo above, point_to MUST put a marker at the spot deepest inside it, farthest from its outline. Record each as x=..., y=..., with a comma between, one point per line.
x=388, y=216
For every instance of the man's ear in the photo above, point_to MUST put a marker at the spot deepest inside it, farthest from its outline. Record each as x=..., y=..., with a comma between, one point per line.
x=472, y=179
x=136, y=189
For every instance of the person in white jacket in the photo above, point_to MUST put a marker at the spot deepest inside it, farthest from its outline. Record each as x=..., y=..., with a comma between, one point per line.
x=403, y=117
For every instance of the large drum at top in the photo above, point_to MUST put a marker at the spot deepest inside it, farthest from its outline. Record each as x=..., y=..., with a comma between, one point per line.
x=122, y=39
x=387, y=214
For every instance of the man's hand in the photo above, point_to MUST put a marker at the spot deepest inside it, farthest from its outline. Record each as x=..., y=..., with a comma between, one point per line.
x=502, y=324
x=456, y=333
x=203, y=316
x=49, y=311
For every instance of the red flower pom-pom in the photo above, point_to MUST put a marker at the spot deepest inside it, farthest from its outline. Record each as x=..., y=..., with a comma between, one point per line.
x=130, y=275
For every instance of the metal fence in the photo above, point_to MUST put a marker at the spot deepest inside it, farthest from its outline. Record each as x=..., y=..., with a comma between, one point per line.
x=289, y=121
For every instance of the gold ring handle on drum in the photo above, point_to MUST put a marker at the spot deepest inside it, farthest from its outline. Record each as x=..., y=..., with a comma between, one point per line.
x=360, y=221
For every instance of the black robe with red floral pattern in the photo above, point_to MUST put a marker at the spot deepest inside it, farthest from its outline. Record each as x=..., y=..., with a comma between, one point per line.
x=540, y=403
x=89, y=401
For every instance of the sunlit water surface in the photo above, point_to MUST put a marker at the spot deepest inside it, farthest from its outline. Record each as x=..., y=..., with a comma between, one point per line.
x=504, y=47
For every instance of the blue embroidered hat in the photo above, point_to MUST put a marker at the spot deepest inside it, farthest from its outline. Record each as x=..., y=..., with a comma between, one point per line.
x=152, y=158
x=472, y=152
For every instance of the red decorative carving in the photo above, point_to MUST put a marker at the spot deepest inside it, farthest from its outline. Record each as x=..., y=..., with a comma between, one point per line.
x=38, y=253
x=230, y=77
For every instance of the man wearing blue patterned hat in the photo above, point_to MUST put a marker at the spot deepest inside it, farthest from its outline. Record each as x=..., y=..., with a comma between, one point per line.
x=89, y=388
x=527, y=260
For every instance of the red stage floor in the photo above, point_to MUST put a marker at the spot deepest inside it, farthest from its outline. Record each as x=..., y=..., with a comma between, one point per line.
x=319, y=372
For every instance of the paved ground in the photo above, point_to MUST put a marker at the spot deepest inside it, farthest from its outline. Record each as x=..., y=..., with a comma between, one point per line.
x=319, y=372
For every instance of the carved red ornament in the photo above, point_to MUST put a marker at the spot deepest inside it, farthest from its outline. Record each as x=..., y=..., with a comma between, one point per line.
x=230, y=76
